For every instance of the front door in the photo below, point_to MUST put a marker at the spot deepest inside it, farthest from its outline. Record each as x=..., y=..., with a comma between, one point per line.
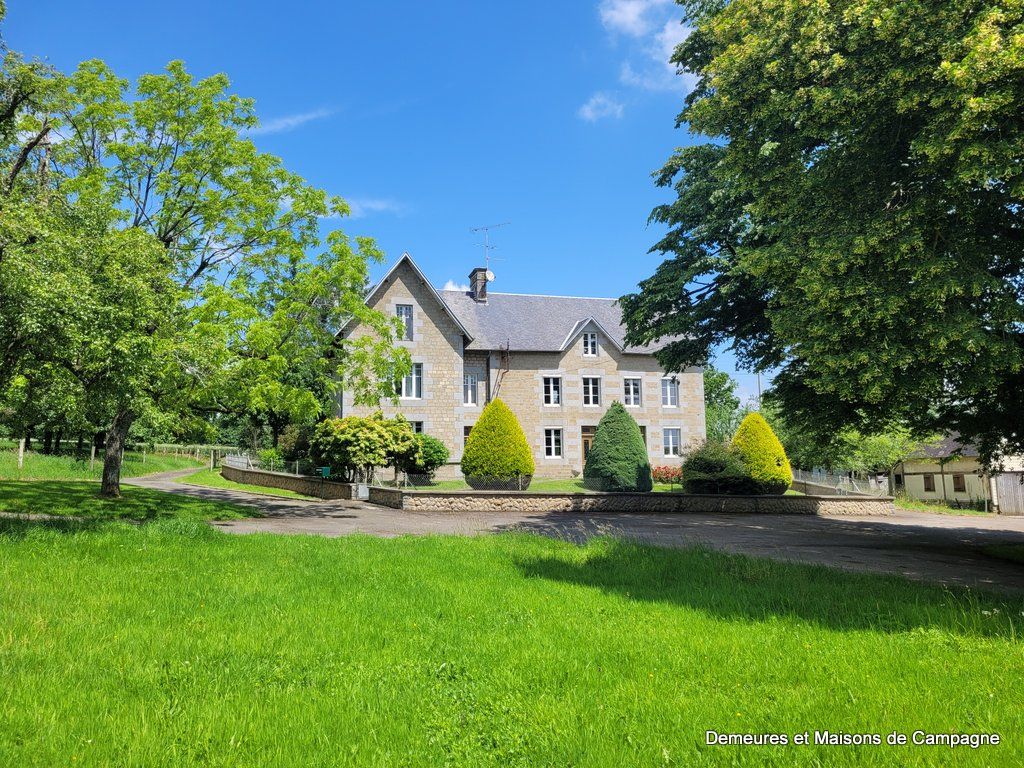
x=587, y=435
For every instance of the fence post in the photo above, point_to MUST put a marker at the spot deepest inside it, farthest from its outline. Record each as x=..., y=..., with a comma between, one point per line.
x=92, y=455
x=21, y=453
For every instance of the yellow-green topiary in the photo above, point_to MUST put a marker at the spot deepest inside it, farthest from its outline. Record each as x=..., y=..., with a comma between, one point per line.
x=497, y=454
x=763, y=455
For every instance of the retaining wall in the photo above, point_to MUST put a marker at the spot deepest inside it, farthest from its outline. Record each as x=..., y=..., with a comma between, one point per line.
x=310, y=486
x=458, y=502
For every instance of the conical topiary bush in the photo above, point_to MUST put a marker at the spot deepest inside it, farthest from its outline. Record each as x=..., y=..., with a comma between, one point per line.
x=763, y=454
x=497, y=456
x=618, y=457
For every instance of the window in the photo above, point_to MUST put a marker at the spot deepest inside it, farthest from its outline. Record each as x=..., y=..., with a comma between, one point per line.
x=591, y=390
x=466, y=431
x=929, y=483
x=590, y=344
x=405, y=315
x=553, y=443
x=670, y=392
x=552, y=390
x=631, y=391
x=643, y=434
x=469, y=388
x=412, y=385
x=671, y=441
x=959, y=484
x=417, y=427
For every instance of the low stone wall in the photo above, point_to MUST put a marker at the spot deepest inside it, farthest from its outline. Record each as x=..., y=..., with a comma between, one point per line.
x=458, y=502
x=386, y=497
x=309, y=486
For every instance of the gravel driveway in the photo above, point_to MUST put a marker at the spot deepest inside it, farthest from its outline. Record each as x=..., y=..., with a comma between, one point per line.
x=918, y=545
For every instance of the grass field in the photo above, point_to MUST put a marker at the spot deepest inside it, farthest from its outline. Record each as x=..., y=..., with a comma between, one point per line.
x=916, y=505
x=173, y=644
x=211, y=478
x=80, y=499
x=40, y=466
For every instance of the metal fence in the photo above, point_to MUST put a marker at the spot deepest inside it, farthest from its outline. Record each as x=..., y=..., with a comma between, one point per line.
x=845, y=484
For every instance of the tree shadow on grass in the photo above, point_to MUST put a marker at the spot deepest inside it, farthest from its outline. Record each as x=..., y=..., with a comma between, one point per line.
x=22, y=527
x=80, y=500
x=759, y=589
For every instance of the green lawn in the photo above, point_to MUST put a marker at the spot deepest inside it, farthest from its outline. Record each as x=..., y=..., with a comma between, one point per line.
x=916, y=505
x=171, y=643
x=80, y=499
x=40, y=466
x=212, y=478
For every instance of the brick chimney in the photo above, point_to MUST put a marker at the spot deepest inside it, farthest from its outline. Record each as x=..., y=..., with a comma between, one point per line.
x=478, y=284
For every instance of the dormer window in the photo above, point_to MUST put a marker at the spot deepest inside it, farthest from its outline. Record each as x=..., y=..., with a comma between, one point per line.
x=590, y=344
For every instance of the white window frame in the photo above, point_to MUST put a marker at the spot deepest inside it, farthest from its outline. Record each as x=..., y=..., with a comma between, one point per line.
x=627, y=399
x=590, y=344
x=470, y=389
x=669, y=446
x=417, y=426
x=413, y=383
x=551, y=391
x=595, y=394
x=407, y=327
x=669, y=388
x=553, y=443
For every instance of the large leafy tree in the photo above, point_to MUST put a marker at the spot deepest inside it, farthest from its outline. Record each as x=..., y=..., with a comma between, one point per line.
x=721, y=405
x=854, y=221
x=234, y=295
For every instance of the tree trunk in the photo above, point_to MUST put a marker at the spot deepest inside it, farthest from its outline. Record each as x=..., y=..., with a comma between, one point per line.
x=114, y=452
x=80, y=446
x=58, y=437
x=47, y=441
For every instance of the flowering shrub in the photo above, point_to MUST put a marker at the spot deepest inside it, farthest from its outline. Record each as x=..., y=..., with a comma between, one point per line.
x=668, y=475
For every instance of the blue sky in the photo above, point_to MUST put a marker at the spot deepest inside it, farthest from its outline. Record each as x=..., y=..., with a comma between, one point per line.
x=433, y=118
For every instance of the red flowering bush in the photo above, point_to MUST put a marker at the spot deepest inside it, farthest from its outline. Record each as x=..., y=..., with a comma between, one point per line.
x=668, y=475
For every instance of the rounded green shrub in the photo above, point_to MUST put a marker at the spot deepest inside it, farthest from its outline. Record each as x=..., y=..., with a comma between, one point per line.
x=497, y=454
x=717, y=468
x=427, y=456
x=618, y=457
x=763, y=455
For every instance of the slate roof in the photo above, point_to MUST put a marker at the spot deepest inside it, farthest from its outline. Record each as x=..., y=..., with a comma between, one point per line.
x=525, y=322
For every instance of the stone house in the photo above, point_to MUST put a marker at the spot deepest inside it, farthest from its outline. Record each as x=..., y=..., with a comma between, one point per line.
x=557, y=361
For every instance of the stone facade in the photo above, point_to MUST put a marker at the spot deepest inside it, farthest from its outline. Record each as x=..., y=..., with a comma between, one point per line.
x=461, y=502
x=439, y=345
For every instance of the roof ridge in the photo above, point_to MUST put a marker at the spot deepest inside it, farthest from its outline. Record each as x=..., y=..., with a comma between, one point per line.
x=538, y=295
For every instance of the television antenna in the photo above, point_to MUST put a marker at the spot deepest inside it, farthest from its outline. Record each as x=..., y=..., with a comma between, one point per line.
x=487, y=245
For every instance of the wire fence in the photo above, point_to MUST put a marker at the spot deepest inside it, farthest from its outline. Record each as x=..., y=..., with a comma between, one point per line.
x=845, y=484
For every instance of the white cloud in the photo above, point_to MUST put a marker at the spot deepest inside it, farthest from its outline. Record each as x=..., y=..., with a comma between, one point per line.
x=451, y=285
x=365, y=206
x=653, y=29
x=629, y=17
x=599, y=106
x=290, y=122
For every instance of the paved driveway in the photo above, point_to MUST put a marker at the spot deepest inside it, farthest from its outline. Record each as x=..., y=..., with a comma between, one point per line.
x=931, y=547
